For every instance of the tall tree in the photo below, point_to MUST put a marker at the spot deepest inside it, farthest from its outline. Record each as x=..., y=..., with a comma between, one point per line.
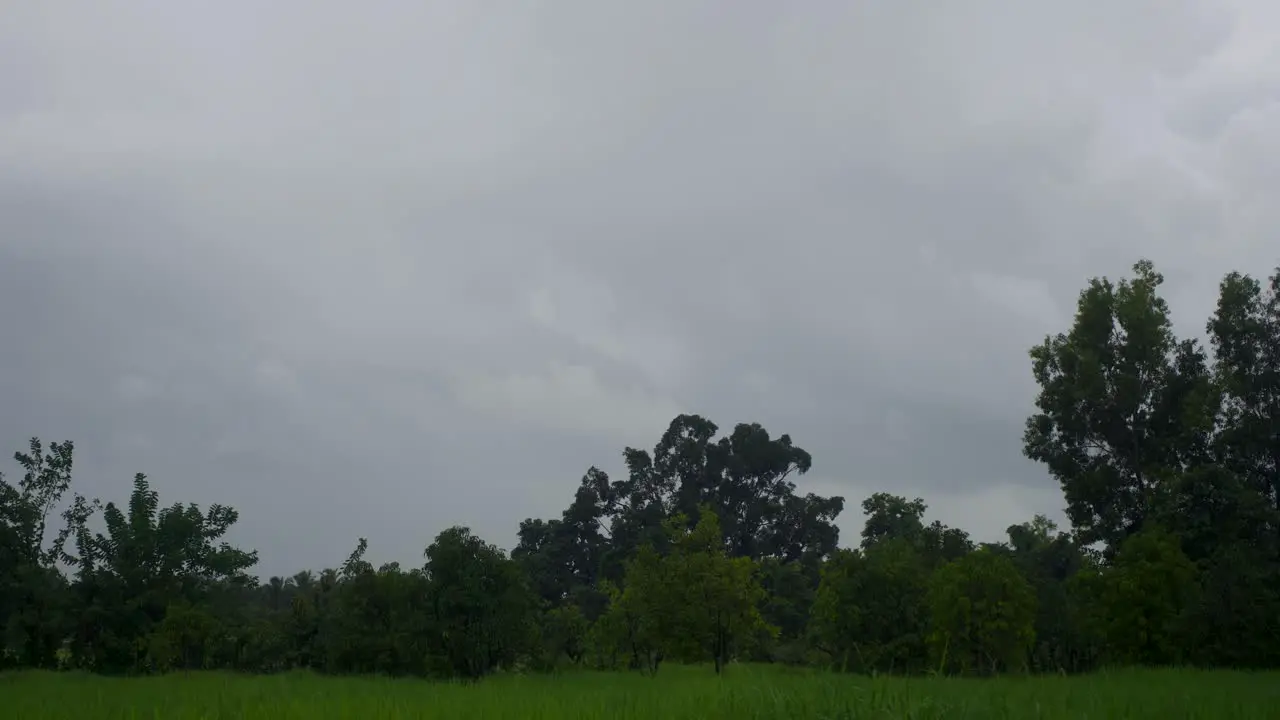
x=1245, y=335
x=566, y=557
x=744, y=478
x=33, y=592
x=1122, y=406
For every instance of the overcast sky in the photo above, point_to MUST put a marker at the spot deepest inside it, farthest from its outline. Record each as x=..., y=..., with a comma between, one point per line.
x=373, y=269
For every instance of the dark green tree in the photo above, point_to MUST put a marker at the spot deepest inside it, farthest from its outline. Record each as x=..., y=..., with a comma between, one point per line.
x=482, y=609
x=983, y=614
x=1245, y=335
x=870, y=614
x=1140, y=602
x=34, y=597
x=1049, y=559
x=892, y=517
x=149, y=559
x=743, y=478
x=564, y=631
x=1123, y=407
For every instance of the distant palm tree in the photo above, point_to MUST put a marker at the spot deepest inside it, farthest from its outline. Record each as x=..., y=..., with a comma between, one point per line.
x=275, y=592
x=303, y=581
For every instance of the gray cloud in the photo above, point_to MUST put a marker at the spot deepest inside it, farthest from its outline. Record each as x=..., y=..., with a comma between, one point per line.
x=375, y=271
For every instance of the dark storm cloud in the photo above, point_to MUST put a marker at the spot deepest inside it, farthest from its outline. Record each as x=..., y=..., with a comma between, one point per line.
x=372, y=271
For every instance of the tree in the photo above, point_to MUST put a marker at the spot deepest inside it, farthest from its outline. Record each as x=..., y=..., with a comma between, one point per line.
x=789, y=589
x=870, y=613
x=1213, y=510
x=718, y=595
x=33, y=592
x=148, y=560
x=1123, y=406
x=694, y=603
x=377, y=620
x=743, y=478
x=1245, y=335
x=892, y=517
x=1049, y=559
x=481, y=605
x=983, y=614
x=639, y=623
x=1140, y=600
x=564, y=634
x=942, y=544
x=565, y=558
x=1234, y=619
x=183, y=639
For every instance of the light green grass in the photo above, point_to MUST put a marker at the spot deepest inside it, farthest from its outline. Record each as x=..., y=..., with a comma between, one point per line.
x=676, y=693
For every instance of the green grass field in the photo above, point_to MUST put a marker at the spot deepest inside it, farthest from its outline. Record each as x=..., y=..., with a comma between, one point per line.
x=677, y=692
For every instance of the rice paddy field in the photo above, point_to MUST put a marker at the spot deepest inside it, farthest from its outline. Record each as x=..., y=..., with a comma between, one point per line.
x=676, y=693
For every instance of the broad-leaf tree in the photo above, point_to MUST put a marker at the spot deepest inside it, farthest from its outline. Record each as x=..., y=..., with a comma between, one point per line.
x=1245, y=334
x=983, y=612
x=717, y=596
x=1140, y=601
x=481, y=605
x=1121, y=408
x=870, y=614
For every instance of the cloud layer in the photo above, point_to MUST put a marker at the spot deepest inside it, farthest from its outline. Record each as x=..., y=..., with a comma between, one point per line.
x=376, y=270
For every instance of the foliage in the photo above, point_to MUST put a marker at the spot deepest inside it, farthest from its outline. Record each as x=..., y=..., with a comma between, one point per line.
x=564, y=634
x=1141, y=599
x=693, y=603
x=870, y=613
x=33, y=598
x=1121, y=406
x=789, y=589
x=983, y=613
x=743, y=478
x=1245, y=334
x=479, y=603
x=1051, y=561
x=706, y=551
x=718, y=597
x=148, y=560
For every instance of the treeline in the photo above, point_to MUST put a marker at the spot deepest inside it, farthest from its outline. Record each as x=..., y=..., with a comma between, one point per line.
x=1168, y=454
